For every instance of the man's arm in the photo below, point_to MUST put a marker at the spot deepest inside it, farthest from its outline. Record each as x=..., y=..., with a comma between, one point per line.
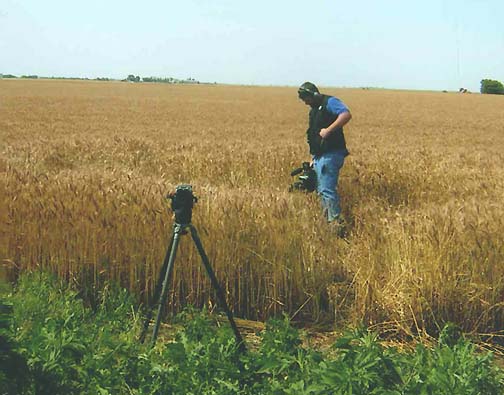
x=341, y=121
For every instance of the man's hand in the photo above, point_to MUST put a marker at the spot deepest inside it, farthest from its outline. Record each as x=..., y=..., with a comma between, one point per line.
x=324, y=133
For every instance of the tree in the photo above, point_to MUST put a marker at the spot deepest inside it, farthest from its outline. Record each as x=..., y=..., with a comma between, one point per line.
x=492, y=87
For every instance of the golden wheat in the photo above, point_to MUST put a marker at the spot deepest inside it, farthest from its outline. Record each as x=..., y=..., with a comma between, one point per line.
x=86, y=166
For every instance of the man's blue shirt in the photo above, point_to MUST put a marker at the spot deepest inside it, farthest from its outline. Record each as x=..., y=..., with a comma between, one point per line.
x=336, y=106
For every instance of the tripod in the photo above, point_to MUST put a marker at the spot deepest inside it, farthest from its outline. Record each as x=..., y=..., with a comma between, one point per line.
x=161, y=290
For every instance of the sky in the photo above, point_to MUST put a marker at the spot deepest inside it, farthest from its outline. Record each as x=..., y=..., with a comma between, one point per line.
x=425, y=45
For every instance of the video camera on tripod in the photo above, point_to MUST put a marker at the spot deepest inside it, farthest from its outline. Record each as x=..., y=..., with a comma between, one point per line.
x=182, y=202
x=307, y=180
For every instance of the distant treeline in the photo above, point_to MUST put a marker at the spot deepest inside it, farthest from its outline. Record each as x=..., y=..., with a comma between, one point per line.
x=492, y=87
x=35, y=77
x=163, y=80
x=129, y=78
x=15, y=76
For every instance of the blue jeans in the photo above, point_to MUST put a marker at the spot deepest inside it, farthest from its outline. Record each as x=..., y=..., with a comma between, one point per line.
x=327, y=166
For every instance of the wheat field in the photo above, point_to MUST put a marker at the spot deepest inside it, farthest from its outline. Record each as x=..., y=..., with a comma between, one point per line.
x=86, y=165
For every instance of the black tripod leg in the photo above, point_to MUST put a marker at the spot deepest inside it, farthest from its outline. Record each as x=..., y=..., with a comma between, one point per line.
x=218, y=289
x=164, y=290
x=157, y=291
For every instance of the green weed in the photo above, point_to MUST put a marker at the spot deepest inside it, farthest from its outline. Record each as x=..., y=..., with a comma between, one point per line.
x=52, y=343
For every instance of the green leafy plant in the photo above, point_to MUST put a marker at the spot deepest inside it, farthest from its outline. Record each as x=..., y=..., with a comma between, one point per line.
x=53, y=343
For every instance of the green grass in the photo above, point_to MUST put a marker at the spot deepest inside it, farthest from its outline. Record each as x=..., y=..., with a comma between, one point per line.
x=52, y=343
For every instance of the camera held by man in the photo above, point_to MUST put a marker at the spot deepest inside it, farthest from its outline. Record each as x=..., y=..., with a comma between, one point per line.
x=307, y=178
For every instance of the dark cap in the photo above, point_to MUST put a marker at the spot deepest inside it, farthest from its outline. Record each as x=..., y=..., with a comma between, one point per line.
x=307, y=89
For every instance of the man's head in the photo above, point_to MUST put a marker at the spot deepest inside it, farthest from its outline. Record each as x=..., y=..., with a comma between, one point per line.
x=309, y=93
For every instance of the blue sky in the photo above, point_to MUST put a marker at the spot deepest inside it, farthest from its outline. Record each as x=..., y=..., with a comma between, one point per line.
x=438, y=45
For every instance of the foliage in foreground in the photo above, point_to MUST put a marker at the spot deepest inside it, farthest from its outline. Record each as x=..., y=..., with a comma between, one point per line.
x=52, y=343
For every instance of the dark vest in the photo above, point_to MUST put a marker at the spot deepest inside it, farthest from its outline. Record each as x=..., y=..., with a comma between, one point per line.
x=320, y=118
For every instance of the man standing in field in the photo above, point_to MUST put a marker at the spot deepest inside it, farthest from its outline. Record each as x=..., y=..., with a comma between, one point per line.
x=327, y=144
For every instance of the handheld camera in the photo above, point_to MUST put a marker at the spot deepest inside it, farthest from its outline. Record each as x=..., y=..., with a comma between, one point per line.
x=307, y=178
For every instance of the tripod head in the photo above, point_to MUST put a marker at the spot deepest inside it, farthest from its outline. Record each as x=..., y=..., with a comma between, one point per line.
x=182, y=202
